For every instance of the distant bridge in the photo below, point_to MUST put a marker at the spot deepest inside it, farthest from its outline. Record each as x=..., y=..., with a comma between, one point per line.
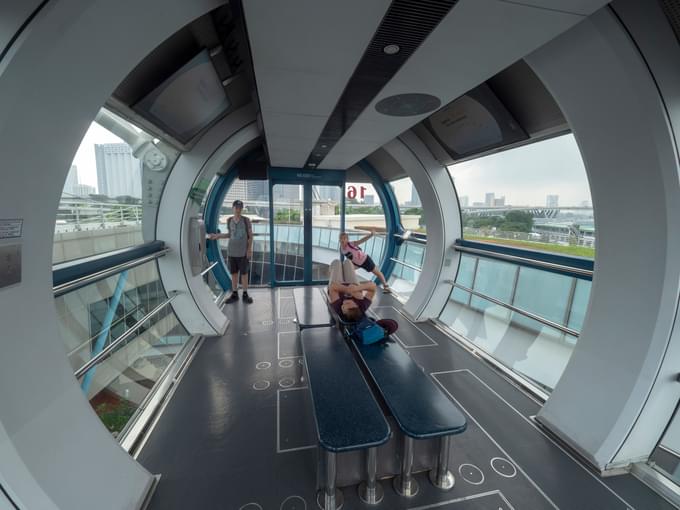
x=535, y=211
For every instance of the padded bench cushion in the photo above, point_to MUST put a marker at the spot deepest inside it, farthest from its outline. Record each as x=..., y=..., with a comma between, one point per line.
x=347, y=416
x=419, y=407
x=311, y=308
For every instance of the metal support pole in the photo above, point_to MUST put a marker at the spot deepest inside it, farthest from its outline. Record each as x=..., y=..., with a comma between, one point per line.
x=440, y=476
x=330, y=498
x=405, y=484
x=371, y=491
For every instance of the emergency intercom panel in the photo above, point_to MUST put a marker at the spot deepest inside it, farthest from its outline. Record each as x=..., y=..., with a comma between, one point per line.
x=196, y=245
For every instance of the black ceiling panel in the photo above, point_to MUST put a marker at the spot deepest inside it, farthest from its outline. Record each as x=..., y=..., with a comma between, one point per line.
x=406, y=24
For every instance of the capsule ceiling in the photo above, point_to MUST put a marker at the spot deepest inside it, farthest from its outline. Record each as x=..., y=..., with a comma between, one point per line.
x=335, y=81
x=307, y=54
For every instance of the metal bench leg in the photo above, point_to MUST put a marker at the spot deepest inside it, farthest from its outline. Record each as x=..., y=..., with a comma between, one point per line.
x=405, y=484
x=330, y=498
x=440, y=476
x=371, y=491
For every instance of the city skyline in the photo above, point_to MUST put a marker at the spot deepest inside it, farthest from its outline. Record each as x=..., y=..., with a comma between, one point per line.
x=520, y=174
x=517, y=174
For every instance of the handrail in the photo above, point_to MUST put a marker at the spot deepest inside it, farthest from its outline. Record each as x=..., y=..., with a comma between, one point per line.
x=406, y=264
x=411, y=239
x=513, y=308
x=89, y=341
x=122, y=338
x=209, y=268
x=526, y=261
x=64, y=288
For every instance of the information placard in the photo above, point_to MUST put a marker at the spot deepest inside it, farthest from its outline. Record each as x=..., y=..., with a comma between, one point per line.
x=11, y=228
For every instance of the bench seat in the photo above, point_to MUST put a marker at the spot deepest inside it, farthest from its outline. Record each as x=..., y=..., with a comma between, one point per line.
x=420, y=408
x=310, y=308
x=347, y=415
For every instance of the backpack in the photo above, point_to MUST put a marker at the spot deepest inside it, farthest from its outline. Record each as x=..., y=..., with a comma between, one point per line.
x=368, y=332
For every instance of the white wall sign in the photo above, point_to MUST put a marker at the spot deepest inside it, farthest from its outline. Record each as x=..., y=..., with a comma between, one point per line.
x=11, y=228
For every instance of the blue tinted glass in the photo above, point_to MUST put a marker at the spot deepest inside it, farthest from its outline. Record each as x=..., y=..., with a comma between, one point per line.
x=414, y=254
x=579, y=304
x=495, y=279
x=466, y=271
x=460, y=296
x=325, y=236
x=545, y=294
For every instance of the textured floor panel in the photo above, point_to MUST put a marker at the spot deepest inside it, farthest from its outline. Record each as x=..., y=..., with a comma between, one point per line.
x=239, y=432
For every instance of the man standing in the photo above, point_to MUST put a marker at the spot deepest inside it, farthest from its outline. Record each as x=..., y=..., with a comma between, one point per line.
x=240, y=249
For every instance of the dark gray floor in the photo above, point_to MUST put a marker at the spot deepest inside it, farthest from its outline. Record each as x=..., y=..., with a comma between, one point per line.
x=239, y=434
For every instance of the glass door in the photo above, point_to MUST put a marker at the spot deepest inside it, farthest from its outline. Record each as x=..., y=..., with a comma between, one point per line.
x=327, y=218
x=288, y=233
x=306, y=215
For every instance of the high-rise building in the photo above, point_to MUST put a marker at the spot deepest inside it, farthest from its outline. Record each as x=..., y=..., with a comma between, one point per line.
x=499, y=202
x=287, y=193
x=464, y=201
x=118, y=172
x=257, y=190
x=71, y=181
x=415, y=199
x=237, y=191
x=488, y=199
x=331, y=193
x=83, y=190
x=552, y=200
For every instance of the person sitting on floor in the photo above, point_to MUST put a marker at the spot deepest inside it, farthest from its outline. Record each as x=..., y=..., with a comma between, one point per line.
x=349, y=298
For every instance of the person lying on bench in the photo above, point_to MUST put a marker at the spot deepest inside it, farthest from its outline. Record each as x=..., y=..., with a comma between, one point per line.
x=349, y=298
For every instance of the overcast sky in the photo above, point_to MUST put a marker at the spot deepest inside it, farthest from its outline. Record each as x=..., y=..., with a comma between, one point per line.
x=85, y=160
x=524, y=175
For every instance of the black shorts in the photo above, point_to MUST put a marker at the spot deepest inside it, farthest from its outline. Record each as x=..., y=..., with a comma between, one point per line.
x=368, y=264
x=238, y=265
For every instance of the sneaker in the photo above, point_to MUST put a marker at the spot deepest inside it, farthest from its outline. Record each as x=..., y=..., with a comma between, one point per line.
x=246, y=298
x=233, y=298
x=387, y=290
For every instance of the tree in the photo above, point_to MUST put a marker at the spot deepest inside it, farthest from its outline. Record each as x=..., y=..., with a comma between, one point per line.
x=518, y=221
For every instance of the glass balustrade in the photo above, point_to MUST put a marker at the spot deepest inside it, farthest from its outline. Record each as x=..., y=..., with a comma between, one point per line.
x=527, y=318
x=407, y=267
x=289, y=244
x=116, y=315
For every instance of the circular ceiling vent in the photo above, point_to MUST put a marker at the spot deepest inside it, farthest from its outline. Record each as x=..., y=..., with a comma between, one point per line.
x=406, y=105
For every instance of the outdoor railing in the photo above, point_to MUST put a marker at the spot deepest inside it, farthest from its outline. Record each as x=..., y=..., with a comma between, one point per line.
x=119, y=333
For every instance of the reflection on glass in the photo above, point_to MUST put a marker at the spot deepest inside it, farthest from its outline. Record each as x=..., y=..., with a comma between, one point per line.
x=529, y=347
x=93, y=317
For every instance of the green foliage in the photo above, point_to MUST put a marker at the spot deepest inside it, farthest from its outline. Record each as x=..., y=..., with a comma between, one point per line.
x=419, y=212
x=513, y=221
x=364, y=209
x=287, y=216
x=115, y=416
x=576, y=251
